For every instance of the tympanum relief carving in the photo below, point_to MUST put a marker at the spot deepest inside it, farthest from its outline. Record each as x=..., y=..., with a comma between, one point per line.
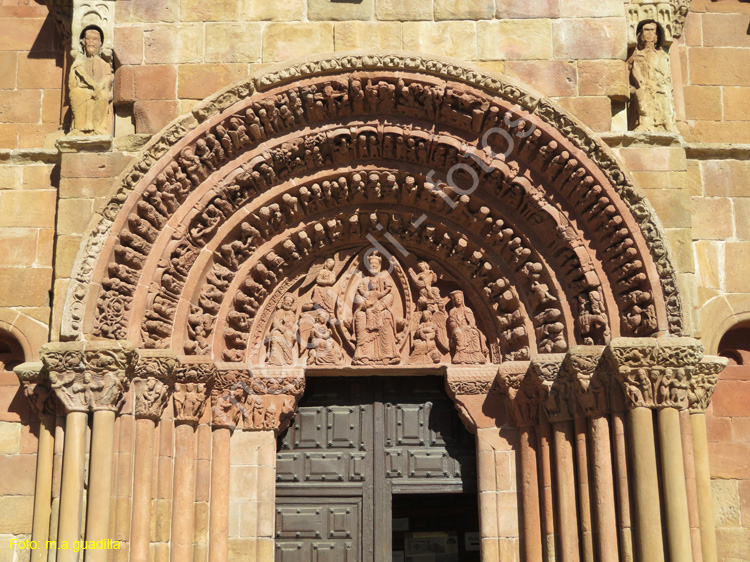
x=362, y=307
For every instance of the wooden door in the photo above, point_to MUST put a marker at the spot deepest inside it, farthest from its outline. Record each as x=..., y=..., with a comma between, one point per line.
x=354, y=443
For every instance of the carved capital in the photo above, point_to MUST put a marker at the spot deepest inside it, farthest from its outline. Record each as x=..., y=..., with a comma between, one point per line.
x=36, y=388
x=89, y=376
x=472, y=380
x=228, y=398
x=556, y=389
x=654, y=373
x=193, y=376
x=703, y=382
x=154, y=380
x=524, y=392
x=477, y=395
x=669, y=14
x=586, y=368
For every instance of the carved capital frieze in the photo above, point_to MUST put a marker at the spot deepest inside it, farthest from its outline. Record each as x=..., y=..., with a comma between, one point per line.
x=36, y=388
x=654, y=373
x=524, y=392
x=228, y=398
x=154, y=380
x=477, y=395
x=669, y=14
x=89, y=376
x=588, y=372
x=193, y=380
x=703, y=381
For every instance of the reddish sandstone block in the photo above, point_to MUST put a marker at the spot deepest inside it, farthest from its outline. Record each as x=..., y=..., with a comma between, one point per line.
x=728, y=460
x=8, y=135
x=34, y=135
x=8, y=62
x=201, y=10
x=51, y=102
x=596, y=112
x=733, y=132
x=725, y=66
x=730, y=398
x=737, y=104
x=603, y=78
x=39, y=72
x=741, y=433
x=738, y=255
x=719, y=429
x=152, y=115
x=702, y=102
x=19, y=106
x=549, y=78
x=693, y=30
x=726, y=30
x=19, y=473
x=514, y=9
x=93, y=164
x=155, y=82
x=594, y=38
x=23, y=34
x=30, y=286
x=128, y=42
x=173, y=44
x=710, y=218
x=523, y=39
x=654, y=159
x=197, y=81
x=152, y=11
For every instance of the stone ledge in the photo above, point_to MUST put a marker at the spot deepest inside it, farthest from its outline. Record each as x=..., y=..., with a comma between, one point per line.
x=30, y=156
x=93, y=143
x=717, y=151
x=633, y=138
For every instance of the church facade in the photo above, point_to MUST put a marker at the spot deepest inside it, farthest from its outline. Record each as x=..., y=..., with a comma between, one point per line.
x=374, y=280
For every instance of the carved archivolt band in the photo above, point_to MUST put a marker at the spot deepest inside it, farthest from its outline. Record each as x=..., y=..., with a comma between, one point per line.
x=258, y=188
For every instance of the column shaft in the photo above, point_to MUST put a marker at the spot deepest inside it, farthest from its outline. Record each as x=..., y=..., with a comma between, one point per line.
x=183, y=510
x=71, y=494
x=692, y=495
x=604, y=490
x=623, y=487
x=566, y=492
x=57, y=465
x=100, y=483
x=140, y=528
x=219, y=507
x=43, y=489
x=532, y=525
x=584, y=494
x=648, y=511
x=703, y=487
x=545, y=445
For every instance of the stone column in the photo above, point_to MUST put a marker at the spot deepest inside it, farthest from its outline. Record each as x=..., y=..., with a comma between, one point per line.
x=701, y=388
x=43, y=403
x=548, y=518
x=87, y=376
x=194, y=376
x=625, y=524
x=152, y=387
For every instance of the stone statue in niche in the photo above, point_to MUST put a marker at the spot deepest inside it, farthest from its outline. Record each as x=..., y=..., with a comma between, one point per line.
x=468, y=345
x=282, y=334
x=90, y=84
x=651, y=82
x=374, y=325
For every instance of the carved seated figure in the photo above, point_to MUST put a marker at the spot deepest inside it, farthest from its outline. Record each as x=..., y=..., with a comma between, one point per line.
x=90, y=84
x=467, y=342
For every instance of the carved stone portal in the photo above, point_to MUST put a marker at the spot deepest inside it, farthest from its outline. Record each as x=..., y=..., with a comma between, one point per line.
x=362, y=308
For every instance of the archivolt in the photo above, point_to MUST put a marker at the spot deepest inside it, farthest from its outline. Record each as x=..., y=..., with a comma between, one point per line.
x=280, y=171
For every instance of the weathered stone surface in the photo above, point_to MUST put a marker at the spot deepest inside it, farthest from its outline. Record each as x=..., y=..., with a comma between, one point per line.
x=549, y=78
x=200, y=10
x=514, y=9
x=603, y=78
x=154, y=82
x=738, y=255
x=229, y=42
x=152, y=11
x=578, y=9
x=18, y=475
x=129, y=44
x=725, y=30
x=28, y=208
x=453, y=39
x=38, y=73
x=714, y=67
x=325, y=10
x=680, y=242
x=355, y=35
x=741, y=207
x=174, y=44
x=17, y=514
x=710, y=216
x=702, y=102
x=601, y=38
x=514, y=39
x=733, y=545
x=19, y=106
x=404, y=11
x=736, y=106
x=594, y=111
x=725, y=178
x=464, y=9
x=292, y=10
x=654, y=159
x=197, y=81
x=8, y=66
x=283, y=41
x=672, y=206
x=10, y=438
x=726, y=503
x=707, y=258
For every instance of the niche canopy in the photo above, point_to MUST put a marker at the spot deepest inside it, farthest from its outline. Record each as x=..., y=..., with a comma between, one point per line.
x=247, y=232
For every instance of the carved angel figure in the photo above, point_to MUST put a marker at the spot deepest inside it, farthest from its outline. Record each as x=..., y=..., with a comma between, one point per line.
x=374, y=325
x=467, y=342
x=322, y=295
x=281, y=336
x=90, y=83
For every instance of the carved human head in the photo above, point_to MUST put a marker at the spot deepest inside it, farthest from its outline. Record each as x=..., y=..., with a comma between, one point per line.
x=649, y=34
x=457, y=297
x=330, y=263
x=287, y=302
x=375, y=262
x=91, y=41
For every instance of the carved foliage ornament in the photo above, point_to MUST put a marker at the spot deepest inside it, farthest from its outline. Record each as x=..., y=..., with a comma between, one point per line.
x=89, y=376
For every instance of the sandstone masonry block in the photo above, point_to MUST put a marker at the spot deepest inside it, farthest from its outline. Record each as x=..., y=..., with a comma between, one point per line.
x=730, y=398
x=38, y=72
x=8, y=135
x=325, y=10
x=25, y=286
x=18, y=246
x=282, y=41
x=35, y=135
x=681, y=244
x=693, y=30
x=514, y=39
x=738, y=264
x=74, y=215
x=21, y=34
x=154, y=11
x=228, y=42
x=732, y=132
x=733, y=544
x=726, y=503
x=725, y=177
x=197, y=81
x=464, y=9
x=672, y=206
x=654, y=159
x=151, y=116
x=594, y=111
x=742, y=217
x=603, y=78
x=712, y=218
x=155, y=82
x=403, y=11
x=17, y=514
x=129, y=44
x=202, y=10
x=514, y=9
x=726, y=30
x=550, y=78
x=8, y=61
x=10, y=438
x=592, y=38
x=93, y=164
x=18, y=475
x=20, y=106
x=600, y=9
x=716, y=67
x=350, y=36
x=37, y=176
x=291, y=10
x=455, y=39
x=174, y=44
x=736, y=104
x=35, y=209
x=702, y=102
x=51, y=102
